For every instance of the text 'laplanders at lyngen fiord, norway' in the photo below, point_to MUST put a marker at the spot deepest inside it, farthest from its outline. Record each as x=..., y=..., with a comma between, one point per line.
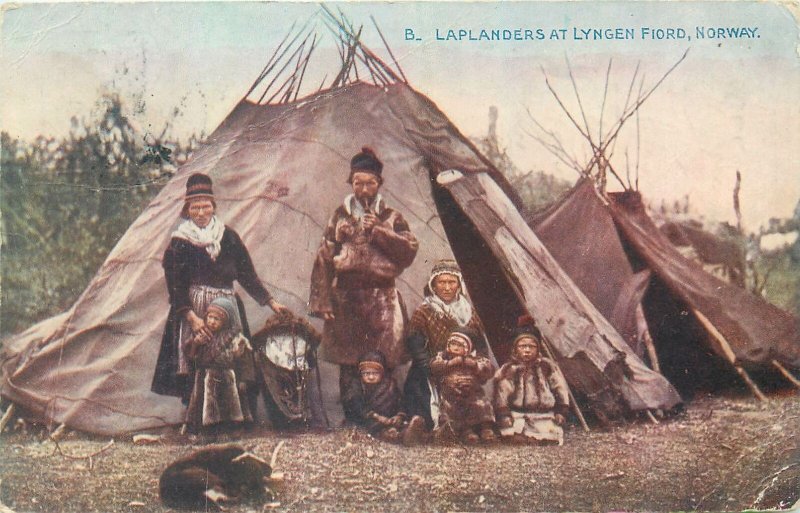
x=463, y=34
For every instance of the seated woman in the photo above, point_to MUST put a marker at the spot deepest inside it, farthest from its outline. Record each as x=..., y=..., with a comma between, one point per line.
x=530, y=393
x=444, y=309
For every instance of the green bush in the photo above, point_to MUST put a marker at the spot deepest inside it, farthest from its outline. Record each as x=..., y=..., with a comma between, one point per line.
x=66, y=202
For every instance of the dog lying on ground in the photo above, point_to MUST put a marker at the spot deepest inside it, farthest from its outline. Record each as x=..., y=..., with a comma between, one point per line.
x=217, y=475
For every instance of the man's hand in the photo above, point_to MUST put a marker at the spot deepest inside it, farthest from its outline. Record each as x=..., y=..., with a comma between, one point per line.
x=505, y=422
x=328, y=316
x=368, y=221
x=396, y=421
x=560, y=419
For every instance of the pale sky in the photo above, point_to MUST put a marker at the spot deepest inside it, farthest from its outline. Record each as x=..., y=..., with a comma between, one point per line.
x=733, y=104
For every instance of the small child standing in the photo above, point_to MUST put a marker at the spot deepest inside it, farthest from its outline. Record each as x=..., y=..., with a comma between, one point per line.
x=459, y=372
x=215, y=398
x=530, y=394
x=375, y=403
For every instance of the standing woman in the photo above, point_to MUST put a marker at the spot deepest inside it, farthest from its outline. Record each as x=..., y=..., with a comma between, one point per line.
x=203, y=259
x=444, y=309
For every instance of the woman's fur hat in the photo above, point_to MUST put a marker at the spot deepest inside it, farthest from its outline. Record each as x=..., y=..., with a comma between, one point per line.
x=444, y=266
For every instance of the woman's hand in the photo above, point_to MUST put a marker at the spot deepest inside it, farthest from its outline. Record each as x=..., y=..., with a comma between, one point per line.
x=278, y=308
x=328, y=316
x=197, y=324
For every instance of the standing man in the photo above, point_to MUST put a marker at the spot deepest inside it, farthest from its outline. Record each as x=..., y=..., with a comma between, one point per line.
x=365, y=246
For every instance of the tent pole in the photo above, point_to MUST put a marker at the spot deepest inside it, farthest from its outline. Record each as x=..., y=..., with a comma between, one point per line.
x=786, y=374
x=646, y=338
x=726, y=349
x=575, y=408
x=7, y=416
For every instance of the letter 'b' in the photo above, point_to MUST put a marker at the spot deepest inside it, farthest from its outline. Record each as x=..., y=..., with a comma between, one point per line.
x=409, y=34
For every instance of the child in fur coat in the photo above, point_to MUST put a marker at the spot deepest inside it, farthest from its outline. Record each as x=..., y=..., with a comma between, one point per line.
x=530, y=393
x=215, y=398
x=459, y=372
x=376, y=403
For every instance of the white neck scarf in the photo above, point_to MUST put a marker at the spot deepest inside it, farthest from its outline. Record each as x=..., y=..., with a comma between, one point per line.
x=209, y=237
x=354, y=207
x=459, y=309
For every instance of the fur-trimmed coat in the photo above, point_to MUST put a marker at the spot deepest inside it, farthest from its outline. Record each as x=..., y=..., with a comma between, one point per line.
x=538, y=387
x=354, y=278
x=215, y=395
x=463, y=401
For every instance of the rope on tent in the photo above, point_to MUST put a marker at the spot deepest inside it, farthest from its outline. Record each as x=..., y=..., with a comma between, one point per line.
x=786, y=374
x=729, y=354
x=9, y=413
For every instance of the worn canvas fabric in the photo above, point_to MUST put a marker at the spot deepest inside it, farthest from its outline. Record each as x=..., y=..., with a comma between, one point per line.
x=278, y=172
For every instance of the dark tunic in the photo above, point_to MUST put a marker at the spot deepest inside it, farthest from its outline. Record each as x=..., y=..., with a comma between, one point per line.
x=382, y=398
x=186, y=265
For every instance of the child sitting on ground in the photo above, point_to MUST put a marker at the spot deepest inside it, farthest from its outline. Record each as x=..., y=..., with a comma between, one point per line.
x=464, y=411
x=215, y=399
x=530, y=393
x=376, y=403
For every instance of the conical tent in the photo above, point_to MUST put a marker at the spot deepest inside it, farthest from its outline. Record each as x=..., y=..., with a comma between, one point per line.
x=279, y=170
x=700, y=324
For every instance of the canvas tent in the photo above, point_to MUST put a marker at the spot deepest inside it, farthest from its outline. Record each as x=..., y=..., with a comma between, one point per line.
x=700, y=324
x=279, y=168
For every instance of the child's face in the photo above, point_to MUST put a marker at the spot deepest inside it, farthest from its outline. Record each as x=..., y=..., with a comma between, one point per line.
x=456, y=346
x=371, y=376
x=527, y=349
x=214, y=321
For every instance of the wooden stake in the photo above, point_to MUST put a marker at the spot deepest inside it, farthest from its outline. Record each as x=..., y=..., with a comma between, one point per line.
x=786, y=374
x=575, y=408
x=58, y=432
x=651, y=417
x=726, y=349
x=647, y=339
x=7, y=416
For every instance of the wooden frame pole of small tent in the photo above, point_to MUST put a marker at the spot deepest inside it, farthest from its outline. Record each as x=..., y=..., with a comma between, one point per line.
x=7, y=416
x=786, y=374
x=575, y=408
x=728, y=352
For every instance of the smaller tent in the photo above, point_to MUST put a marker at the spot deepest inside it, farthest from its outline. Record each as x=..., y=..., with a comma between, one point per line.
x=703, y=327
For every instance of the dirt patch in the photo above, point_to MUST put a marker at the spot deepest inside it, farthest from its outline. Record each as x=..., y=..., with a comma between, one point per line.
x=720, y=454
